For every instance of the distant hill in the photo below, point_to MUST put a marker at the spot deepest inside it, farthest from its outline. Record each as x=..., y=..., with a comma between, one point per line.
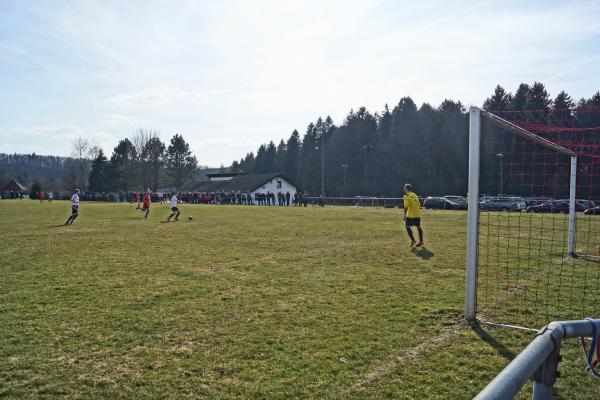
x=27, y=168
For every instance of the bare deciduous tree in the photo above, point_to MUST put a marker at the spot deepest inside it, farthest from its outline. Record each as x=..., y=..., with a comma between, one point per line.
x=81, y=149
x=93, y=151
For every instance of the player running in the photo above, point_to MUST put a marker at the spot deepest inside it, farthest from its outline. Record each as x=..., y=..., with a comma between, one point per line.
x=74, y=208
x=174, y=210
x=146, y=207
x=412, y=214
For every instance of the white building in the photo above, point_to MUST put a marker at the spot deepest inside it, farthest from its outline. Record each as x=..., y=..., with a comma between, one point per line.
x=244, y=183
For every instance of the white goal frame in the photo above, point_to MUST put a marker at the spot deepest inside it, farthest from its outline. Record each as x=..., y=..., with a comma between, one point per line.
x=475, y=115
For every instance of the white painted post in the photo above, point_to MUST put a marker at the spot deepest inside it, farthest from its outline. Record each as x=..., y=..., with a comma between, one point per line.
x=572, y=197
x=473, y=214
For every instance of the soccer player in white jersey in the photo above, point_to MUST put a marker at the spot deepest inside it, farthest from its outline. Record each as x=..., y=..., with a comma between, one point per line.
x=174, y=210
x=74, y=208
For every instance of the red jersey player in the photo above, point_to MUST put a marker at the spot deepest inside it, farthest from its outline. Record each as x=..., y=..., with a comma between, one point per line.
x=146, y=207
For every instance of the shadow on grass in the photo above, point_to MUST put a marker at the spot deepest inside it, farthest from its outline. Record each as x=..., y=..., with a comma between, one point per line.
x=489, y=339
x=504, y=351
x=422, y=252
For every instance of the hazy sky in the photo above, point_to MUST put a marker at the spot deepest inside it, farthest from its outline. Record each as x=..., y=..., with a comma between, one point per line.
x=230, y=75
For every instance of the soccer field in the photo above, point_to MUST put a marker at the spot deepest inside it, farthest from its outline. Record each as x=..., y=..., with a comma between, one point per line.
x=243, y=302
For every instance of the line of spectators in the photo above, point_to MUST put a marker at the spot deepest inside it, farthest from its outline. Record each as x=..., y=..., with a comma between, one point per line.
x=12, y=195
x=246, y=198
x=268, y=198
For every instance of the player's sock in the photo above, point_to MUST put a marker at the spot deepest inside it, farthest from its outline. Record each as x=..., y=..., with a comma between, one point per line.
x=146, y=214
x=420, y=234
x=410, y=235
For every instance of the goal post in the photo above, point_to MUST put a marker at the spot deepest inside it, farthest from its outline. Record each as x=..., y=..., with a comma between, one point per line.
x=473, y=214
x=525, y=139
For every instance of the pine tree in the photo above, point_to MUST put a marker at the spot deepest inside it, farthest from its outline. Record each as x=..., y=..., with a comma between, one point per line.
x=520, y=98
x=270, y=158
x=122, y=166
x=291, y=165
x=259, y=163
x=98, y=179
x=308, y=160
x=181, y=164
x=499, y=101
x=247, y=163
x=403, y=143
x=453, y=141
x=36, y=187
x=280, y=156
x=563, y=105
x=154, y=153
x=538, y=98
x=428, y=126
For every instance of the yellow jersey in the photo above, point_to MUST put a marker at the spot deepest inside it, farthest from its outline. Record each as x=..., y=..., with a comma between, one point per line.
x=412, y=205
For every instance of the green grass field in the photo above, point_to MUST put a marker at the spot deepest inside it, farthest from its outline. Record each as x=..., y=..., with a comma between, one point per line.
x=243, y=302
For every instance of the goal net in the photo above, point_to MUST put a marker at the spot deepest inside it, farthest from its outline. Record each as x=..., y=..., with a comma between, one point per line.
x=532, y=253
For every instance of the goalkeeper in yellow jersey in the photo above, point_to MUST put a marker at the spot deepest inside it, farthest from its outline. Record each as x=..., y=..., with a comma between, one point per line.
x=412, y=214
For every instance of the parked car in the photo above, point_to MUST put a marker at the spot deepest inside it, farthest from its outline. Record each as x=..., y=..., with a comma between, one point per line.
x=457, y=199
x=442, y=203
x=552, y=206
x=592, y=211
x=580, y=205
x=585, y=204
x=535, y=201
x=502, y=204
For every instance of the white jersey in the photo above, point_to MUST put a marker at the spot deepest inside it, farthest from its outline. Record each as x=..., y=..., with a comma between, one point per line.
x=174, y=201
x=50, y=195
x=75, y=200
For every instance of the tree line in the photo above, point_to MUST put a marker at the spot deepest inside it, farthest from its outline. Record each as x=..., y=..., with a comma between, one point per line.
x=367, y=154
x=541, y=172
x=376, y=153
x=143, y=161
x=28, y=168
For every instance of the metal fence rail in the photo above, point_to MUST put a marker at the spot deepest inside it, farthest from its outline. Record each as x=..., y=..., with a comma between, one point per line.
x=358, y=201
x=538, y=360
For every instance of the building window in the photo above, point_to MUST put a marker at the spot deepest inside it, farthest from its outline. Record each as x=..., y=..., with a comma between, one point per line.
x=278, y=184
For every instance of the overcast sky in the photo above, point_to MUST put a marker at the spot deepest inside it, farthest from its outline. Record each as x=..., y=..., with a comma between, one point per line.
x=230, y=75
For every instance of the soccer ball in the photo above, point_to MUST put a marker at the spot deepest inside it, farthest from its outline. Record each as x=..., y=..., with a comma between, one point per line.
x=190, y=218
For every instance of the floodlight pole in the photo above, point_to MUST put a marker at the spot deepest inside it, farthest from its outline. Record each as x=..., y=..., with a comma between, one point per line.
x=345, y=167
x=473, y=214
x=323, y=165
x=572, y=199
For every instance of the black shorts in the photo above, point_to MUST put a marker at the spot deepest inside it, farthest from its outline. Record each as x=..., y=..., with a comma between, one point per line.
x=174, y=209
x=74, y=210
x=413, y=221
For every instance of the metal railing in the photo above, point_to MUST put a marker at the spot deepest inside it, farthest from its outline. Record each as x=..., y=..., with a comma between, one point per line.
x=358, y=201
x=538, y=360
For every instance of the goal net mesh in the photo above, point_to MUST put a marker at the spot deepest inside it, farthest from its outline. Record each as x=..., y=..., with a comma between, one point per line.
x=526, y=275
